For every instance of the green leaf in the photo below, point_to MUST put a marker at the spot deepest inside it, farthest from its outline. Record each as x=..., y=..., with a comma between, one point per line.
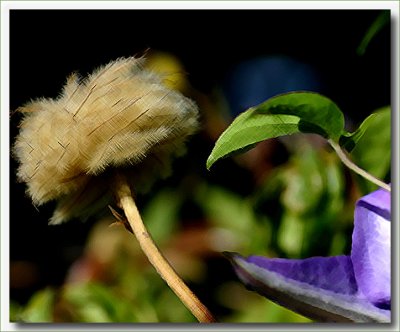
x=162, y=214
x=373, y=149
x=349, y=141
x=285, y=114
x=376, y=26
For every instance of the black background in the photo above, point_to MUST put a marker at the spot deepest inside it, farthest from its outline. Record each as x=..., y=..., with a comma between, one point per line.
x=47, y=45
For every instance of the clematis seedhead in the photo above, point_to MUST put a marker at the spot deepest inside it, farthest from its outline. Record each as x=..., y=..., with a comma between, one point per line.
x=353, y=288
x=122, y=117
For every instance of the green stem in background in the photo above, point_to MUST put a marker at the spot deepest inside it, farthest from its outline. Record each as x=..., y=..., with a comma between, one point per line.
x=155, y=257
x=346, y=160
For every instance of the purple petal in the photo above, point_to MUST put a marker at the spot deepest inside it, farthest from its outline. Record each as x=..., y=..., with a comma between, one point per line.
x=370, y=251
x=377, y=202
x=331, y=273
x=323, y=289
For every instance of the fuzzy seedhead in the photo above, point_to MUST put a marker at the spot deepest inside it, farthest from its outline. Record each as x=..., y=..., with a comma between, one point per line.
x=121, y=116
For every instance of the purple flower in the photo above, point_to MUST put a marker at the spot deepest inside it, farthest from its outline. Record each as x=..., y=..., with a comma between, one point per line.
x=353, y=288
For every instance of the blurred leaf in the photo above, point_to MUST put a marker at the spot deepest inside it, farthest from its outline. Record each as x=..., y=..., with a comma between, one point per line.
x=313, y=202
x=15, y=311
x=232, y=212
x=161, y=214
x=171, y=309
x=96, y=303
x=261, y=310
x=140, y=288
x=304, y=199
x=304, y=181
x=373, y=149
x=327, y=215
x=291, y=234
x=228, y=208
x=334, y=183
x=373, y=30
x=40, y=307
x=338, y=244
x=285, y=114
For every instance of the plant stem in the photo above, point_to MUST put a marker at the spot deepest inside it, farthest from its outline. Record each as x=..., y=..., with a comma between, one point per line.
x=155, y=257
x=345, y=159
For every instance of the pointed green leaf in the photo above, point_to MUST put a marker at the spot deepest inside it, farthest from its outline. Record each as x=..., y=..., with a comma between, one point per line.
x=373, y=122
x=373, y=149
x=281, y=115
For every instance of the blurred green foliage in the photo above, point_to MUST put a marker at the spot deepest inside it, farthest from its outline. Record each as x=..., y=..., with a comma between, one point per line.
x=302, y=207
x=38, y=309
x=308, y=196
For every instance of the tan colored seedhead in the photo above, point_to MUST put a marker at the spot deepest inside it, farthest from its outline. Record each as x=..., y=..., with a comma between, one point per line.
x=121, y=116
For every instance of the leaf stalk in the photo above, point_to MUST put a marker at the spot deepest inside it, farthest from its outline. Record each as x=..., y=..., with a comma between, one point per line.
x=346, y=160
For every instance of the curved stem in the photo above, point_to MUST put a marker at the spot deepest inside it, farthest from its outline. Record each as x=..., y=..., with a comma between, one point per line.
x=345, y=159
x=155, y=257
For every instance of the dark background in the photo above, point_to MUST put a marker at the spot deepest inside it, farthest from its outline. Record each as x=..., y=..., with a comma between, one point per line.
x=47, y=45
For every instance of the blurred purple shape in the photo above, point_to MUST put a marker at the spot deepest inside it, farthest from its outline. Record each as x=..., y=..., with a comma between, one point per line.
x=256, y=80
x=353, y=288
